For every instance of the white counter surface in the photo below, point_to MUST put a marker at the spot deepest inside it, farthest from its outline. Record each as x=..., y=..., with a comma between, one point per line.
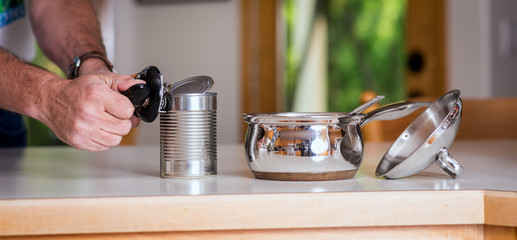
x=63, y=172
x=45, y=192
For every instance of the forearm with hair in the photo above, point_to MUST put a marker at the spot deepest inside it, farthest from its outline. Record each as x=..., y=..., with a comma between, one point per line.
x=23, y=86
x=65, y=29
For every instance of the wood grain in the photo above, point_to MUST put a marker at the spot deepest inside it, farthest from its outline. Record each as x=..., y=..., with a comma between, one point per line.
x=501, y=208
x=492, y=232
x=411, y=232
x=260, y=90
x=238, y=212
x=426, y=34
x=489, y=119
x=356, y=215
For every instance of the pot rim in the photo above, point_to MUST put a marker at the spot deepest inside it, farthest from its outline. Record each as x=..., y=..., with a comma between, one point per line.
x=302, y=118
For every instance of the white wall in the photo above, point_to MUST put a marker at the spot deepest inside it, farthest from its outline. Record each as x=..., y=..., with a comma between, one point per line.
x=503, y=63
x=468, y=49
x=183, y=39
x=476, y=66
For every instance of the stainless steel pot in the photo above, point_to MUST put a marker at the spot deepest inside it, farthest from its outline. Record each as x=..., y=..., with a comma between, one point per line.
x=311, y=146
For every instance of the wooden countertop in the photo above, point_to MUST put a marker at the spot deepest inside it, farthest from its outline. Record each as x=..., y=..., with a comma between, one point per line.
x=60, y=190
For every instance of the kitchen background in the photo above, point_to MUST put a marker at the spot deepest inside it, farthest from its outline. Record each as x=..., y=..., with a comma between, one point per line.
x=203, y=37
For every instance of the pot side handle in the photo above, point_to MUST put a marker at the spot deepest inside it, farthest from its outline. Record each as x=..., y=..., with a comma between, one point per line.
x=394, y=111
x=253, y=134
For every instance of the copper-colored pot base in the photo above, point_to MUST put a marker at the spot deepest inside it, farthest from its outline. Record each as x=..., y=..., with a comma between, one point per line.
x=324, y=176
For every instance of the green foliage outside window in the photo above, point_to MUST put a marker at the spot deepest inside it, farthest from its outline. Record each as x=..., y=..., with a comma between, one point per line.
x=365, y=50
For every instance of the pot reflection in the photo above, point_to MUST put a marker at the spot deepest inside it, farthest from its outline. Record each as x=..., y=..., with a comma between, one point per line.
x=306, y=151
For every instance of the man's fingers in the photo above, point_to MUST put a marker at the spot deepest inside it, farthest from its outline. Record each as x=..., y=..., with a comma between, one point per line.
x=117, y=82
x=95, y=147
x=117, y=105
x=125, y=82
x=85, y=143
x=106, y=139
x=135, y=121
x=116, y=126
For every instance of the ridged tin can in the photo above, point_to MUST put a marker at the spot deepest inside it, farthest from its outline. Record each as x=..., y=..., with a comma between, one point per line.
x=188, y=136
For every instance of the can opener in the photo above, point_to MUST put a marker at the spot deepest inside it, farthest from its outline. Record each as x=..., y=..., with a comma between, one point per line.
x=154, y=96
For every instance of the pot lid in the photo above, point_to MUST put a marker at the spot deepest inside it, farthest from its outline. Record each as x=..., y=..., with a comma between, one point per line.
x=426, y=140
x=196, y=84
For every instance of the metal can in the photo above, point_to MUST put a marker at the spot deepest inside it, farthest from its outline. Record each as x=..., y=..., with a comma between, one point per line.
x=188, y=136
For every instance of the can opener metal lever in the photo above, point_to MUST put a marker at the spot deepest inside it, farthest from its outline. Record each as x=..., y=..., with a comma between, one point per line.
x=155, y=96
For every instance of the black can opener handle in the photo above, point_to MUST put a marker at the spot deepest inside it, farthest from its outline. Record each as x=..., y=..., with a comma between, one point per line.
x=138, y=94
x=146, y=97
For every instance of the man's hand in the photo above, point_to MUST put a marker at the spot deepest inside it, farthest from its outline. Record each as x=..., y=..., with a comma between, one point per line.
x=121, y=83
x=117, y=82
x=89, y=112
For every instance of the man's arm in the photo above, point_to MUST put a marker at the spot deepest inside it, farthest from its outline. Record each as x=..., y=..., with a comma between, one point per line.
x=22, y=84
x=87, y=112
x=65, y=29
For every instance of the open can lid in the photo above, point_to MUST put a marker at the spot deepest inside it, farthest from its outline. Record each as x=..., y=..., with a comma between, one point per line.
x=196, y=84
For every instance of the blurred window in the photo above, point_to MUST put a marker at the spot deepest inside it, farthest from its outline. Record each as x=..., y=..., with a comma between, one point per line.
x=337, y=49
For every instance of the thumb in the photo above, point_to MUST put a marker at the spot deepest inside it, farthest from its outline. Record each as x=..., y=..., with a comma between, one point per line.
x=125, y=82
